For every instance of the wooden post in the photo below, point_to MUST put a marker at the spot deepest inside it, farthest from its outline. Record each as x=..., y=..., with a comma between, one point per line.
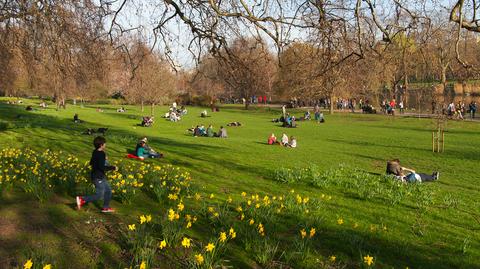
x=443, y=140
x=438, y=140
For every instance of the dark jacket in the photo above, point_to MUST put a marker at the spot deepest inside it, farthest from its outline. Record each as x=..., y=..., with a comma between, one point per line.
x=99, y=165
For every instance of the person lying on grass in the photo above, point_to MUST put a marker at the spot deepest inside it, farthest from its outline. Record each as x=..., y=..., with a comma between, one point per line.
x=99, y=165
x=143, y=151
x=408, y=175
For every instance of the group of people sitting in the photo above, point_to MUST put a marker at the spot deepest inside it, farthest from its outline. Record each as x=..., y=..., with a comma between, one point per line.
x=121, y=110
x=272, y=140
x=143, y=150
x=209, y=132
x=175, y=114
x=147, y=121
x=287, y=121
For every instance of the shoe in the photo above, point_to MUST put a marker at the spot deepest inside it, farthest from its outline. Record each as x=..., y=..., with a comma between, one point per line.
x=108, y=210
x=80, y=202
x=436, y=175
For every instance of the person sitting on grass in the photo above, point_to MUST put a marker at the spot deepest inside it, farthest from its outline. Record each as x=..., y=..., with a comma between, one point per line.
x=182, y=111
x=173, y=116
x=293, y=122
x=203, y=131
x=197, y=132
x=100, y=166
x=307, y=115
x=204, y=114
x=272, y=139
x=284, y=140
x=76, y=119
x=210, y=132
x=144, y=151
x=147, y=121
x=222, y=133
x=293, y=142
x=408, y=175
x=288, y=121
x=321, y=119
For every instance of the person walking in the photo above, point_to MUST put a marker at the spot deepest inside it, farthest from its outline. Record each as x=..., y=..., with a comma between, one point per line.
x=99, y=165
x=473, y=109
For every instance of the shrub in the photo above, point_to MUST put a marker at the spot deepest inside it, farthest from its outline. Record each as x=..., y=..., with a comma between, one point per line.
x=5, y=125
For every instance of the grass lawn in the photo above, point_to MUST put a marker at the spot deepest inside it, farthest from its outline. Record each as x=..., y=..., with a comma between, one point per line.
x=442, y=234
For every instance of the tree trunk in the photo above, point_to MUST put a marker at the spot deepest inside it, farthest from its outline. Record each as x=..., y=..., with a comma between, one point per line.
x=142, y=106
x=331, y=96
x=152, y=109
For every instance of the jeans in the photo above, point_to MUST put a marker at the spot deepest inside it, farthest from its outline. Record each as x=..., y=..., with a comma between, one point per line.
x=423, y=177
x=152, y=155
x=102, y=190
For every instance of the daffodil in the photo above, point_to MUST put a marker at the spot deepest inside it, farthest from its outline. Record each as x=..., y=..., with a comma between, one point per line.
x=312, y=232
x=143, y=265
x=223, y=237
x=47, y=266
x=186, y=242
x=28, y=264
x=143, y=219
x=209, y=247
x=368, y=260
x=303, y=233
x=199, y=258
x=163, y=244
x=232, y=233
x=149, y=218
x=340, y=221
x=333, y=258
x=131, y=227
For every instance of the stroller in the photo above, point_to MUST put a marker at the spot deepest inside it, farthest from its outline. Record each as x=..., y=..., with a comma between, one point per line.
x=147, y=121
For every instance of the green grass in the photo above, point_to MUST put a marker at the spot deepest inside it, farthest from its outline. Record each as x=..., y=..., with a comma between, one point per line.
x=431, y=238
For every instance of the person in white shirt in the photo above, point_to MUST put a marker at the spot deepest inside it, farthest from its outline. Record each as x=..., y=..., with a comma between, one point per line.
x=284, y=140
x=293, y=142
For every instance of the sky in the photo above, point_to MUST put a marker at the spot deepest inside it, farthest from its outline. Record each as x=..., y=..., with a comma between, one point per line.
x=145, y=15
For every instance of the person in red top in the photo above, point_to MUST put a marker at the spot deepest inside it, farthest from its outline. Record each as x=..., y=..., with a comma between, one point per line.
x=272, y=139
x=392, y=106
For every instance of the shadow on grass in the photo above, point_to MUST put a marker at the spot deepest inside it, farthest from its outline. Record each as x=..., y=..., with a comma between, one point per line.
x=73, y=233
